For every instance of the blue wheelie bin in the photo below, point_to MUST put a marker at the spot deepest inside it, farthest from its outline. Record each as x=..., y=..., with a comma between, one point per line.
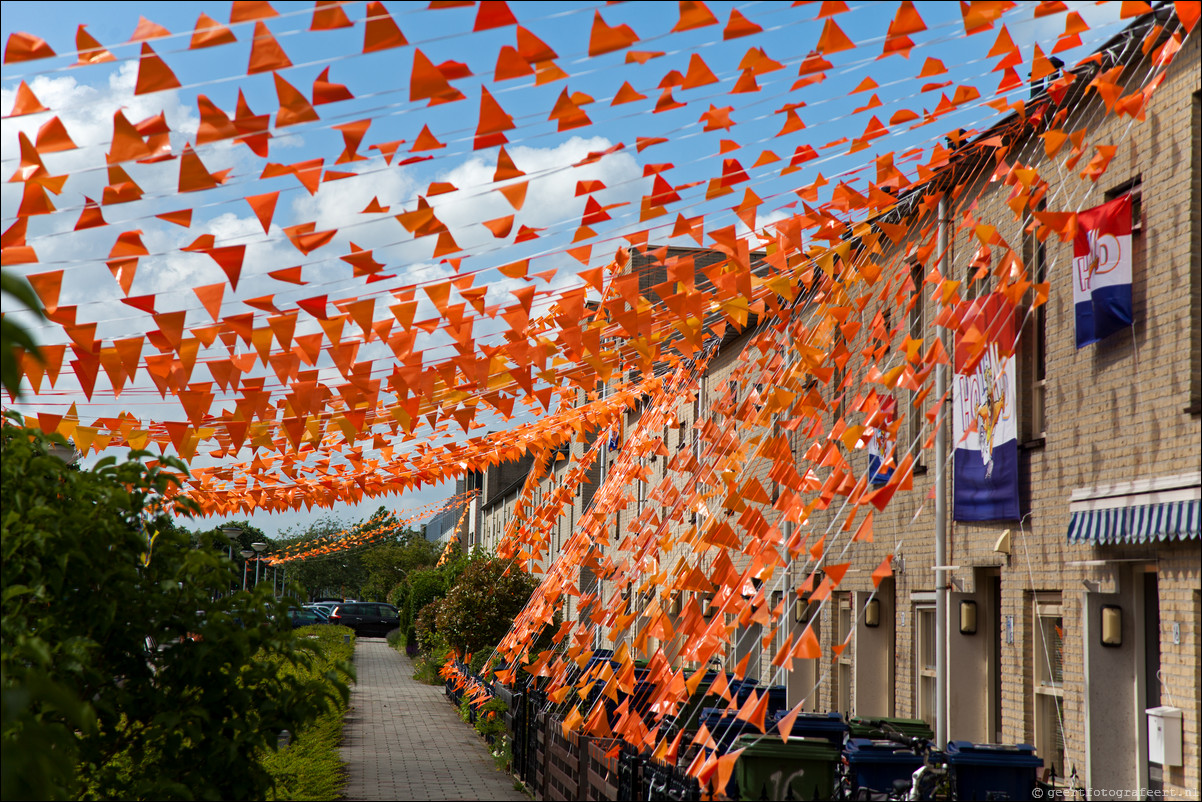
x=993, y=771
x=829, y=726
x=876, y=765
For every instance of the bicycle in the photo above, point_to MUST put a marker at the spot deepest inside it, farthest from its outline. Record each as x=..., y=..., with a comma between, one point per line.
x=930, y=781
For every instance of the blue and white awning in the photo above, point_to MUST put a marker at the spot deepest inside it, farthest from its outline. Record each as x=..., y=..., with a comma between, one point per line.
x=1138, y=523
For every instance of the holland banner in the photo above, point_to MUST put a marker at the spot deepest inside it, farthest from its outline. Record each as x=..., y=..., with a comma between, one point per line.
x=1102, y=271
x=880, y=447
x=985, y=414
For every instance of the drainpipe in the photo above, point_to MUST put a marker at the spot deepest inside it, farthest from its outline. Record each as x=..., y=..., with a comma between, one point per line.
x=941, y=504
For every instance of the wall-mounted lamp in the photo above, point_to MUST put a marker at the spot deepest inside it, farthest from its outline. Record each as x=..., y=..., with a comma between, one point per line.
x=968, y=617
x=1112, y=625
x=777, y=596
x=872, y=613
x=1002, y=546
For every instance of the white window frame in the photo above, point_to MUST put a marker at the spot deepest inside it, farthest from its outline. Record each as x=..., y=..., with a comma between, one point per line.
x=925, y=632
x=1048, y=704
x=844, y=624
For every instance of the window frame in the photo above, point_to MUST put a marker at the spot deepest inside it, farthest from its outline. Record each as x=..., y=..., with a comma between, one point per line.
x=1048, y=693
x=925, y=633
x=845, y=622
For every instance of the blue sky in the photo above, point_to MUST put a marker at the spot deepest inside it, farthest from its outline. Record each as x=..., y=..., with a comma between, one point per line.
x=86, y=99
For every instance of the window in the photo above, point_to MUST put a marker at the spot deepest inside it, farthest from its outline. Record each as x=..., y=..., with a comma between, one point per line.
x=1134, y=188
x=924, y=617
x=1195, y=259
x=1048, y=643
x=917, y=331
x=843, y=666
x=1033, y=341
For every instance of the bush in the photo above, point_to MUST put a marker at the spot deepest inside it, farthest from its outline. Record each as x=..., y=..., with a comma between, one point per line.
x=425, y=586
x=122, y=677
x=490, y=718
x=481, y=607
x=425, y=626
x=310, y=766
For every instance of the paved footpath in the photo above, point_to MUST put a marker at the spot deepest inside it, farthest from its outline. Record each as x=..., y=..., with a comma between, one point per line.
x=404, y=740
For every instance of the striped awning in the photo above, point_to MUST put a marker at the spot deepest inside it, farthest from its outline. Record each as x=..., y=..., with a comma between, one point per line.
x=1139, y=523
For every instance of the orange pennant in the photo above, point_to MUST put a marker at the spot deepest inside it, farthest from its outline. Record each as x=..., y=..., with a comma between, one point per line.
x=604, y=39
x=153, y=73
x=264, y=207
x=90, y=50
x=210, y=33
x=380, y=32
x=26, y=102
x=294, y=108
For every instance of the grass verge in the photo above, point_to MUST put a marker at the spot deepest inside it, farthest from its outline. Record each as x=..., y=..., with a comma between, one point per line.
x=309, y=767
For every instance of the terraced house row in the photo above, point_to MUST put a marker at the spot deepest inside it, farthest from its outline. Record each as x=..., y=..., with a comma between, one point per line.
x=1071, y=557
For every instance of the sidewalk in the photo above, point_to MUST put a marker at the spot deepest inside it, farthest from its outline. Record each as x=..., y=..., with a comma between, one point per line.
x=403, y=740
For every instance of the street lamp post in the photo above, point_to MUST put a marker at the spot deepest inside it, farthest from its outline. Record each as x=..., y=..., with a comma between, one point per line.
x=246, y=555
x=232, y=533
x=259, y=549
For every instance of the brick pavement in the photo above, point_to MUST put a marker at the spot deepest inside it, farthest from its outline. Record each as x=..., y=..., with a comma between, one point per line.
x=403, y=740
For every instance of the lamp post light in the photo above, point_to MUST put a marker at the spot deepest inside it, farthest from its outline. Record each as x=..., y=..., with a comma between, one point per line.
x=259, y=549
x=246, y=555
x=232, y=533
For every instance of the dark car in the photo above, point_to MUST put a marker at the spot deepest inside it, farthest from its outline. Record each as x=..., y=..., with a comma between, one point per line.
x=302, y=617
x=367, y=618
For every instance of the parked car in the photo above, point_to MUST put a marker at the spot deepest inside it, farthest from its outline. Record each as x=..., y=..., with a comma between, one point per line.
x=323, y=607
x=302, y=617
x=367, y=618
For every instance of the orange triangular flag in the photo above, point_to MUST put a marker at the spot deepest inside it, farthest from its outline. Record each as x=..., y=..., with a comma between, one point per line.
x=153, y=74
x=193, y=176
x=26, y=47
x=266, y=55
x=694, y=14
x=328, y=15
x=427, y=82
x=604, y=39
x=807, y=647
x=833, y=39
x=864, y=533
x=294, y=108
x=739, y=26
x=380, y=31
x=53, y=137
x=148, y=30
x=264, y=207
x=500, y=227
x=426, y=141
x=785, y=725
x=47, y=286
x=90, y=50
x=326, y=92
x=91, y=216
x=26, y=103
x=883, y=571
x=247, y=10
x=210, y=33
x=181, y=218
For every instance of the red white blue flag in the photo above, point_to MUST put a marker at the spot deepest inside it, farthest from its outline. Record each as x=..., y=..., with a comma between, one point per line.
x=985, y=415
x=1102, y=271
x=882, y=442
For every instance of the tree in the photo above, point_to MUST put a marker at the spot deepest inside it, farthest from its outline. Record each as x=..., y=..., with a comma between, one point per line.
x=480, y=608
x=14, y=338
x=339, y=574
x=122, y=677
x=389, y=564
